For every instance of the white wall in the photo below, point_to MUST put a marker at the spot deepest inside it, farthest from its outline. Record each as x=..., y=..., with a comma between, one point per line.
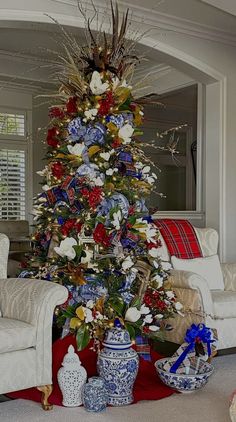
x=205, y=55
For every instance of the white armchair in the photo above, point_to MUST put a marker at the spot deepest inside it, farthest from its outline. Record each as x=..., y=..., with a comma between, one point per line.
x=26, y=309
x=216, y=308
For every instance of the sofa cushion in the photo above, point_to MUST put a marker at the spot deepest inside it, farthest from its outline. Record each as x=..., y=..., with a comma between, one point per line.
x=224, y=304
x=209, y=268
x=16, y=335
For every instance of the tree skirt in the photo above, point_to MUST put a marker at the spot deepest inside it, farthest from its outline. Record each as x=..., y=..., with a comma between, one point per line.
x=148, y=386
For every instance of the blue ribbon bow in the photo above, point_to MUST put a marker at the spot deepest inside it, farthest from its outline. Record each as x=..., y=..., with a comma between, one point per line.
x=195, y=334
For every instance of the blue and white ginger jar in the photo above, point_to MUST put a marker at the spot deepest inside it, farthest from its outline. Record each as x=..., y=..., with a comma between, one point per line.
x=94, y=395
x=118, y=364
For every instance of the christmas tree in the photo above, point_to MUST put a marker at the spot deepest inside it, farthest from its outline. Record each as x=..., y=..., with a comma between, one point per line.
x=93, y=230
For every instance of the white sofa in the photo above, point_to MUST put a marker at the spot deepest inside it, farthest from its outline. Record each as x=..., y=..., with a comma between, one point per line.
x=27, y=307
x=216, y=308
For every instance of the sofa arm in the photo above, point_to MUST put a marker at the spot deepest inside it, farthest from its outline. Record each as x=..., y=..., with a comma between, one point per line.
x=190, y=280
x=24, y=299
x=34, y=301
x=229, y=274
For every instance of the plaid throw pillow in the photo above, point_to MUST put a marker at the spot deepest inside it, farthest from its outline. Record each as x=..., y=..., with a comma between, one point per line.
x=180, y=237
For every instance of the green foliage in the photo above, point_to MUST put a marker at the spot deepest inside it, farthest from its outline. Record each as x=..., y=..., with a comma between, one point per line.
x=82, y=337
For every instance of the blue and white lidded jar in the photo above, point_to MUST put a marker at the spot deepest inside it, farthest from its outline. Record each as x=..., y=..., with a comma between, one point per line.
x=94, y=395
x=71, y=378
x=118, y=364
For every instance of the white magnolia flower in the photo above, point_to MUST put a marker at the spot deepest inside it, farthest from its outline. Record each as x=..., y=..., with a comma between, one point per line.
x=111, y=171
x=149, y=230
x=105, y=155
x=127, y=263
x=76, y=149
x=125, y=132
x=88, y=315
x=153, y=328
x=117, y=82
x=66, y=248
x=96, y=85
x=148, y=319
x=117, y=217
x=144, y=309
x=90, y=114
x=45, y=188
x=132, y=314
x=170, y=294
x=90, y=304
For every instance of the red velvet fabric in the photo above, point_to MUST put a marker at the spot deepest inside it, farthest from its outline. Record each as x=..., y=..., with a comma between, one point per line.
x=180, y=237
x=148, y=386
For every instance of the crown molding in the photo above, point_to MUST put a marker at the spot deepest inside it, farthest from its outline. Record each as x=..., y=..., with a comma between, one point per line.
x=162, y=21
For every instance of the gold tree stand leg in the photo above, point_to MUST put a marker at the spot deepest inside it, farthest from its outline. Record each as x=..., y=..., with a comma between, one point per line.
x=46, y=391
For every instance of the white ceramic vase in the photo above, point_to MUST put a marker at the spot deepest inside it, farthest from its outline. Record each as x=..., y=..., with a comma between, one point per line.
x=71, y=379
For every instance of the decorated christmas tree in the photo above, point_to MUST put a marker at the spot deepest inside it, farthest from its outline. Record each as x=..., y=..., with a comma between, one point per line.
x=93, y=230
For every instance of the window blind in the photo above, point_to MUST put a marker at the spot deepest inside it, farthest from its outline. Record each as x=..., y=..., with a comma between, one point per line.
x=12, y=184
x=12, y=124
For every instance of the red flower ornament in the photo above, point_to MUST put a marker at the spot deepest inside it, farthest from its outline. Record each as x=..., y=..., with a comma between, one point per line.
x=58, y=170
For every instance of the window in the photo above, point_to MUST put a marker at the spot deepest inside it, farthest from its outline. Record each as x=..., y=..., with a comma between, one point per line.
x=14, y=151
x=177, y=172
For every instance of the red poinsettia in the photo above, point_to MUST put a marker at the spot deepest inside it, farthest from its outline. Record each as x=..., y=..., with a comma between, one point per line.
x=100, y=235
x=94, y=195
x=56, y=112
x=69, y=225
x=71, y=106
x=58, y=170
x=105, y=104
x=52, y=141
x=153, y=300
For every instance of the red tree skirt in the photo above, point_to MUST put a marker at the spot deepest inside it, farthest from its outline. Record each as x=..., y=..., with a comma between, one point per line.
x=147, y=386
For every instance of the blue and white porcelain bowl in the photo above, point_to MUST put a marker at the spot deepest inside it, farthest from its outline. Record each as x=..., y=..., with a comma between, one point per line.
x=185, y=383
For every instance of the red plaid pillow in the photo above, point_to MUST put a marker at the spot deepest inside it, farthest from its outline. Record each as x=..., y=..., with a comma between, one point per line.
x=180, y=237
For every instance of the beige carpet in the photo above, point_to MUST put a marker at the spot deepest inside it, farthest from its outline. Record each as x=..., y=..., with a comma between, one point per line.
x=208, y=405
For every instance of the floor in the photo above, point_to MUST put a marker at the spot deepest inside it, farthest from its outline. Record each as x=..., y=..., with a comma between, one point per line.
x=211, y=404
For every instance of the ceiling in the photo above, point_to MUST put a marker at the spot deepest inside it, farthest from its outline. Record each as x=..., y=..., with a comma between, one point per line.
x=228, y=6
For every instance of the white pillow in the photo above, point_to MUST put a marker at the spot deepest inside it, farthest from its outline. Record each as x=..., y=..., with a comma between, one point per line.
x=209, y=268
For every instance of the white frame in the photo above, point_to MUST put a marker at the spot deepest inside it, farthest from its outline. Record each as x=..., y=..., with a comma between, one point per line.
x=15, y=142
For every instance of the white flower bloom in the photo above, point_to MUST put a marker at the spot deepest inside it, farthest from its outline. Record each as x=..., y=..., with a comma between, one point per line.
x=45, y=188
x=76, y=149
x=148, y=319
x=105, y=156
x=96, y=85
x=88, y=315
x=132, y=314
x=111, y=171
x=144, y=309
x=43, y=172
x=158, y=316
x=90, y=304
x=146, y=169
x=90, y=114
x=117, y=217
x=66, y=248
x=154, y=328
x=127, y=263
x=170, y=294
x=126, y=132
x=166, y=265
